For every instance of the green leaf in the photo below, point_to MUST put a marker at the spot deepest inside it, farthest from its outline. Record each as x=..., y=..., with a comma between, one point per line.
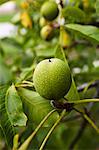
x=5, y=124
x=73, y=14
x=5, y=73
x=6, y=17
x=11, y=114
x=37, y=107
x=26, y=73
x=14, y=108
x=87, y=30
x=73, y=93
x=10, y=46
x=16, y=18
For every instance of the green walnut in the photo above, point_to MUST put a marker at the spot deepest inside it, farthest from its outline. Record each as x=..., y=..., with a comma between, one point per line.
x=49, y=10
x=46, y=32
x=42, y=22
x=52, y=78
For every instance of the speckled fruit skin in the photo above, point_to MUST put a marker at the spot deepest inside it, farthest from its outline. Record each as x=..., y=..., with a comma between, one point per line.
x=52, y=78
x=49, y=10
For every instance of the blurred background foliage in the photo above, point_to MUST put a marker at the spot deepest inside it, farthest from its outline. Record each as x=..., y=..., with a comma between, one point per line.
x=24, y=47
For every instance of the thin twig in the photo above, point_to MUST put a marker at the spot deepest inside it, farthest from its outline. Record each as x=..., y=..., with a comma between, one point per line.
x=86, y=116
x=52, y=129
x=83, y=101
x=25, y=145
x=84, y=122
x=83, y=86
x=80, y=132
x=91, y=123
x=23, y=85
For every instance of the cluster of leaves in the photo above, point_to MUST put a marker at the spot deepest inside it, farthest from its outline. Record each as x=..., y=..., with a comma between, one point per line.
x=21, y=108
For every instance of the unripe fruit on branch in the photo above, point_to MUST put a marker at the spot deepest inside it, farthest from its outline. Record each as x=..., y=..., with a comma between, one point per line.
x=42, y=22
x=64, y=39
x=46, y=32
x=49, y=10
x=52, y=78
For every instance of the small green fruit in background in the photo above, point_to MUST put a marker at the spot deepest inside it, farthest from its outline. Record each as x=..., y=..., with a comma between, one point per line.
x=42, y=22
x=52, y=78
x=49, y=10
x=46, y=32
